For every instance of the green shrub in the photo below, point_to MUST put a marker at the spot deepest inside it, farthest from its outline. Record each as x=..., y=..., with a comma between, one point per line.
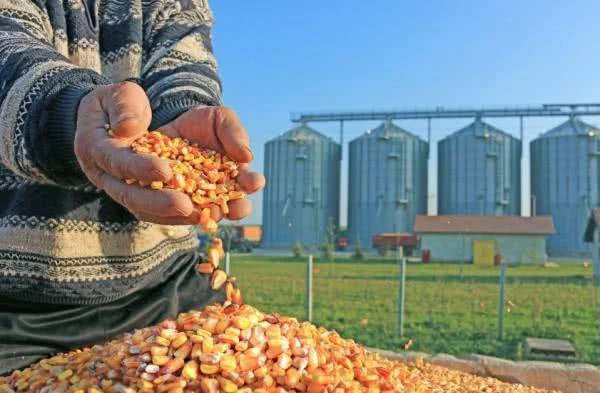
x=297, y=250
x=327, y=250
x=358, y=251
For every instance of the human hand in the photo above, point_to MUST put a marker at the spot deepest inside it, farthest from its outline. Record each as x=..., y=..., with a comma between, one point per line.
x=220, y=129
x=106, y=161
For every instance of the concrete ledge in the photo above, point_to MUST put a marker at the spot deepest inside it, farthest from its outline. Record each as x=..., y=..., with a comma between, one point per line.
x=567, y=378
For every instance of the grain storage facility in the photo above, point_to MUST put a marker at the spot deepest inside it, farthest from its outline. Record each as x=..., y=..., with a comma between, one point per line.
x=387, y=182
x=479, y=239
x=565, y=177
x=302, y=194
x=479, y=172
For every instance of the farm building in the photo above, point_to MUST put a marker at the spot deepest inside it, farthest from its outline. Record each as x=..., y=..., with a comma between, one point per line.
x=479, y=239
x=592, y=236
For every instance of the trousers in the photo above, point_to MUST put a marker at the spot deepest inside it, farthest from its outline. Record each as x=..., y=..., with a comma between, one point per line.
x=30, y=332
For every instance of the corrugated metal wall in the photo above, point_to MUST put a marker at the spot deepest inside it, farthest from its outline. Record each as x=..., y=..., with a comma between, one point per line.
x=479, y=172
x=565, y=174
x=302, y=194
x=387, y=182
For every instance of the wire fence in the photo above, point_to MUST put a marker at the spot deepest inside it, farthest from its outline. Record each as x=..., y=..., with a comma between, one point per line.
x=448, y=308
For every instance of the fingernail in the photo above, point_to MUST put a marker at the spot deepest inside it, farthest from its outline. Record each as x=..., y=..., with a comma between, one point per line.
x=126, y=116
x=249, y=151
x=186, y=211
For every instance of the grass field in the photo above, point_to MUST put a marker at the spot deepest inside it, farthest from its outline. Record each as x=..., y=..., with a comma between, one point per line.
x=449, y=308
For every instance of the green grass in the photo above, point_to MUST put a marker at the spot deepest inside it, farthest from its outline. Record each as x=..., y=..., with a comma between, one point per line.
x=449, y=308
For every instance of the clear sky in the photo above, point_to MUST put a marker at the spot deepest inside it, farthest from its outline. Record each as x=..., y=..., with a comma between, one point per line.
x=278, y=57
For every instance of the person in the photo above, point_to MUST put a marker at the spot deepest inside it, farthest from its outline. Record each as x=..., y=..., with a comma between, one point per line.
x=84, y=256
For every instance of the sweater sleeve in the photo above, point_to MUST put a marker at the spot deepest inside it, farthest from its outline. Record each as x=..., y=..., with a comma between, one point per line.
x=40, y=91
x=180, y=69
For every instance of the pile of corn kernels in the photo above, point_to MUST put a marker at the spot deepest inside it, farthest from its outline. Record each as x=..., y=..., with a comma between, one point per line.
x=208, y=177
x=238, y=349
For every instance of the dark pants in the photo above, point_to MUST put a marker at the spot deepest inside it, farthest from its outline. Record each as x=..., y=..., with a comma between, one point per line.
x=32, y=331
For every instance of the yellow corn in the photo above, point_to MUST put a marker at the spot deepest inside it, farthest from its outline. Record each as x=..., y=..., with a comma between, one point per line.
x=273, y=354
x=209, y=178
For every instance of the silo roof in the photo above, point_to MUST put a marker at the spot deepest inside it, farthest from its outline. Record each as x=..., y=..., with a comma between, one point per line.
x=477, y=126
x=302, y=133
x=505, y=225
x=573, y=126
x=387, y=129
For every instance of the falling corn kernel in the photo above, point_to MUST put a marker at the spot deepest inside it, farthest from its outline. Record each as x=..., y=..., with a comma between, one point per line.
x=205, y=268
x=236, y=297
x=218, y=279
x=214, y=257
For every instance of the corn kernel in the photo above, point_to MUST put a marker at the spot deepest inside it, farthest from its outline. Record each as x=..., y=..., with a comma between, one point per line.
x=160, y=360
x=228, y=363
x=218, y=279
x=190, y=370
x=227, y=386
x=209, y=369
x=156, y=185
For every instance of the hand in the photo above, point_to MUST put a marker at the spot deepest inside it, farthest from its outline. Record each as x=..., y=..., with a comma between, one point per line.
x=220, y=129
x=106, y=161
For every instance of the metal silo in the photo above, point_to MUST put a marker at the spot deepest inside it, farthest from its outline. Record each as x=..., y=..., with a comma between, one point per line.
x=387, y=182
x=302, y=195
x=565, y=173
x=479, y=172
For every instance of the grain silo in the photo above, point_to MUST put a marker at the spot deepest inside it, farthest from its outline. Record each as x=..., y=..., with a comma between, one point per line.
x=387, y=182
x=302, y=194
x=565, y=174
x=479, y=172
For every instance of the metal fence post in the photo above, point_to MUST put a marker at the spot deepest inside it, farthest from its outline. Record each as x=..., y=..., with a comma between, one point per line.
x=309, y=289
x=596, y=266
x=401, y=297
x=501, y=301
x=597, y=300
x=227, y=261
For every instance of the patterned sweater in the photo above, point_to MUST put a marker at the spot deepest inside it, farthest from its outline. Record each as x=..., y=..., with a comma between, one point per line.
x=62, y=241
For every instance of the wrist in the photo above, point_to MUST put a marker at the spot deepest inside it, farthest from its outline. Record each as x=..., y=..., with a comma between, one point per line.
x=60, y=123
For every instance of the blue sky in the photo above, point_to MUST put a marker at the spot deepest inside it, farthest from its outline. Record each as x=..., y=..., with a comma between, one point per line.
x=278, y=57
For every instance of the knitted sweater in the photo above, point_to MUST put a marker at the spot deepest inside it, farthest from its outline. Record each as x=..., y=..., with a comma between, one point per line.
x=62, y=241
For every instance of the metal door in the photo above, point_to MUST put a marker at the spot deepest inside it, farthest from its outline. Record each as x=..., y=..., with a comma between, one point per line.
x=483, y=252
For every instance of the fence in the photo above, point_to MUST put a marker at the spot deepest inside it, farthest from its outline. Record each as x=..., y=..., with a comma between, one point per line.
x=449, y=308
